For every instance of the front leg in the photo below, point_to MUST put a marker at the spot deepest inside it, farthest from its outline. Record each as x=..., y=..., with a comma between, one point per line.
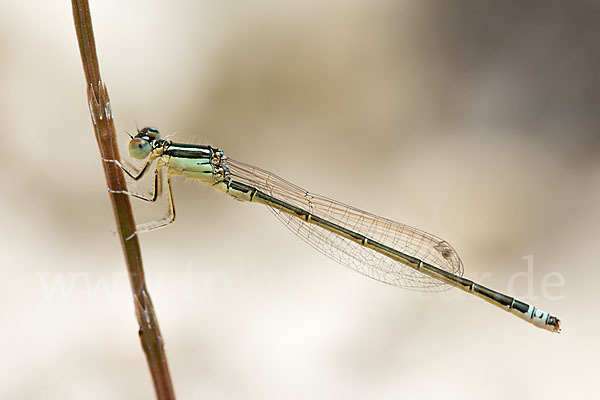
x=135, y=175
x=168, y=218
x=157, y=189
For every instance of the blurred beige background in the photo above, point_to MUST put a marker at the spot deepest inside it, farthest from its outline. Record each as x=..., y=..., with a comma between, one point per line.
x=476, y=121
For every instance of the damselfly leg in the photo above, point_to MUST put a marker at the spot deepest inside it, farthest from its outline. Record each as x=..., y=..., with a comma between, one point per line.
x=158, y=184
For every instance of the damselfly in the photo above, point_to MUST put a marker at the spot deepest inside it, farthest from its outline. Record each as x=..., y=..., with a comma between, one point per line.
x=379, y=248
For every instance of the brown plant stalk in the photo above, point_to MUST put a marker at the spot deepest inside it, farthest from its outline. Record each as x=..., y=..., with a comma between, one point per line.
x=104, y=127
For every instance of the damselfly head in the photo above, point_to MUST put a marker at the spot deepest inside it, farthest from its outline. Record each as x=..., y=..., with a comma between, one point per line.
x=141, y=145
x=148, y=133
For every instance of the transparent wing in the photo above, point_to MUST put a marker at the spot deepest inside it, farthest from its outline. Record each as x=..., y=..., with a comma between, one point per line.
x=408, y=240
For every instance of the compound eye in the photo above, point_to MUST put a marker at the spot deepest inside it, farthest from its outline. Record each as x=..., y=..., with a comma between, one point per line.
x=139, y=148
